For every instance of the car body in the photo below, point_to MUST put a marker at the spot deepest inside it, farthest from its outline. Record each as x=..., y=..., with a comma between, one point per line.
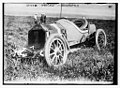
x=71, y=31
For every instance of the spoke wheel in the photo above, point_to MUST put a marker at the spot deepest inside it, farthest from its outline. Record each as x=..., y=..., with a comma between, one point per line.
x=100, y=39
x=55, y=51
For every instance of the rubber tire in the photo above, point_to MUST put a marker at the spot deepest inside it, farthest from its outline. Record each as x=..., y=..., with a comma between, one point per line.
x=96, y=38
x=47, y=46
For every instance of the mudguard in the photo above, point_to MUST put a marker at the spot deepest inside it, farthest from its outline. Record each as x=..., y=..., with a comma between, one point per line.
x=91, y=28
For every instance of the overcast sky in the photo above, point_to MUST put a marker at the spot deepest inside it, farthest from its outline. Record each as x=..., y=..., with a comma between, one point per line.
x=107, y=10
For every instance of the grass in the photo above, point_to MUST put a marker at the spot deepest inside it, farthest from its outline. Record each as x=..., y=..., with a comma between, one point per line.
x=84, y=63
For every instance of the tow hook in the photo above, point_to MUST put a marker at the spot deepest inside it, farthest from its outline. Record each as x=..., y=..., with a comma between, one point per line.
x=42, y=53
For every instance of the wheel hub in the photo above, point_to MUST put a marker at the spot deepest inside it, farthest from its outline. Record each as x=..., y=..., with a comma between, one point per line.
x=57, y=51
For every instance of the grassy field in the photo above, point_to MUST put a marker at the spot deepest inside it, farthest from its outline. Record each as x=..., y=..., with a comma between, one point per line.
x=82, y=64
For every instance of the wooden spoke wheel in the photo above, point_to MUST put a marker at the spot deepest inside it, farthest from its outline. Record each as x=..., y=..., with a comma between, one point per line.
x=101, y=40
x=55, y=51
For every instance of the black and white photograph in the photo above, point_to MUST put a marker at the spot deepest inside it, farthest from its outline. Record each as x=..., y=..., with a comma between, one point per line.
x=60, y=43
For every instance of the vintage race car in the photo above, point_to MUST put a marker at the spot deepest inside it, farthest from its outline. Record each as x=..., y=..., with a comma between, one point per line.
x=53, y=40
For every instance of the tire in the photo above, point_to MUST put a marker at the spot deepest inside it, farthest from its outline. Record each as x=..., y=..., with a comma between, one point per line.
x=100, y=39
x=55, y=51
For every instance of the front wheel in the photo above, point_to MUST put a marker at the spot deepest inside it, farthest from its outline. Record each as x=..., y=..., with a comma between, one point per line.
x=100, y=39
x=55, y=51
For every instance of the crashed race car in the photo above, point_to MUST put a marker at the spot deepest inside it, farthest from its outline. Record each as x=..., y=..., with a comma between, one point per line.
x=54, y=40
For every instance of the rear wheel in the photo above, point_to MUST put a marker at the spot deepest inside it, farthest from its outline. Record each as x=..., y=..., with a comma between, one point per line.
x=55, y=51
x=100, y=39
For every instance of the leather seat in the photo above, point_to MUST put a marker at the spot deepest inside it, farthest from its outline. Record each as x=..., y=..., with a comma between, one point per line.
x=81, y=23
